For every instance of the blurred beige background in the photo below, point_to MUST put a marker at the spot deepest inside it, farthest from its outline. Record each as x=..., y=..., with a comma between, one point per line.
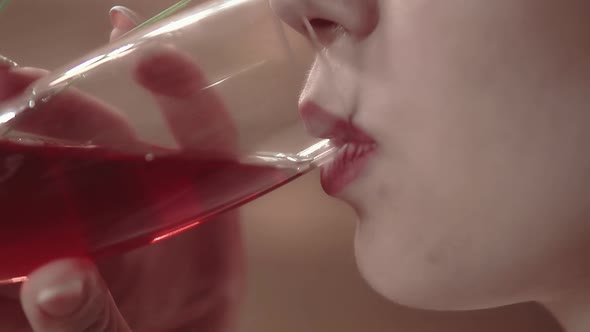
x=302, y=275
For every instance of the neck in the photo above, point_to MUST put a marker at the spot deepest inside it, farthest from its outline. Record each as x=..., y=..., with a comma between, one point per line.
x=572, y=311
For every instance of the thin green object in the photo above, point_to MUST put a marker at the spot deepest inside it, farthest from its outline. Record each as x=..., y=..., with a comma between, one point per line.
x=3, y=4
x=167, y=12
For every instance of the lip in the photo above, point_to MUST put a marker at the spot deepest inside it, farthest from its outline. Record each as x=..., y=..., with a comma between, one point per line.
x=354, y=147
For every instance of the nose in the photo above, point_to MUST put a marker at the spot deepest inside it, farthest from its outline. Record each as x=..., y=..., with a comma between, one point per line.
x=329, y=18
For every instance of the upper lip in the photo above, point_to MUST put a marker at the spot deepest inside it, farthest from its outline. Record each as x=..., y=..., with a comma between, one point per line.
x=323, y=124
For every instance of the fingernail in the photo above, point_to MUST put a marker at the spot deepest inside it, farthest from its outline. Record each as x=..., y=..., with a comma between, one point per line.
x=126, y=12
x=6, y=62
x=62, y=299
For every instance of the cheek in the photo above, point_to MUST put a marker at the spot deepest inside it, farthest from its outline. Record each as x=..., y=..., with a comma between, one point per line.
x=468, y=211
x=482, y=179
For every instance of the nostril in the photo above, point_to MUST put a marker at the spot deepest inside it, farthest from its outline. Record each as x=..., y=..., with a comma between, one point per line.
x=326, y=21
x=321, y=24
x=323, y=31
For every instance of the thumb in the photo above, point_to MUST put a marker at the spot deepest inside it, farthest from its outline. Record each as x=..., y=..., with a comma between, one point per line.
x=70, y=296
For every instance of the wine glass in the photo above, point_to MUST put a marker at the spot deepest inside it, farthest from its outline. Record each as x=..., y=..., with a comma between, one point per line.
x=187, y=116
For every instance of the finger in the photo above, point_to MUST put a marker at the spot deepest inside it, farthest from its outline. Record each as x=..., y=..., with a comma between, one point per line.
x=123, y=20
x=71, y=115
x=70, y=296
x=14, y=80
x=197, y=117
x=209, y=282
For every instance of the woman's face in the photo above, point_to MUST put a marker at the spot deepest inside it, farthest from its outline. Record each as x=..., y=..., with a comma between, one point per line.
x=476, y=190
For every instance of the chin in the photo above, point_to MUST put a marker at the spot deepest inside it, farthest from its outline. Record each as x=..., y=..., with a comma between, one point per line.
x=408, y=280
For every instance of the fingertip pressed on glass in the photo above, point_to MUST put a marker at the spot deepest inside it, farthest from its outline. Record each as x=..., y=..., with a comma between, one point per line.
x=152, y=134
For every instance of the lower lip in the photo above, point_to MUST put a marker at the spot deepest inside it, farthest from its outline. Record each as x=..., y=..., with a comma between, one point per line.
x=346, y=167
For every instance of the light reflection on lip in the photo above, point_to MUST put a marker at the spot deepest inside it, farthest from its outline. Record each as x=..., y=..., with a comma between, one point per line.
x=355, y=146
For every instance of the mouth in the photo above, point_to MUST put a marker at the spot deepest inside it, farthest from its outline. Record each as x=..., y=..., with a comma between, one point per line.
x=354, y=147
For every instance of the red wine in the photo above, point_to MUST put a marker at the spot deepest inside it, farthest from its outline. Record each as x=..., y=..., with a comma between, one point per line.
x=59, y=201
